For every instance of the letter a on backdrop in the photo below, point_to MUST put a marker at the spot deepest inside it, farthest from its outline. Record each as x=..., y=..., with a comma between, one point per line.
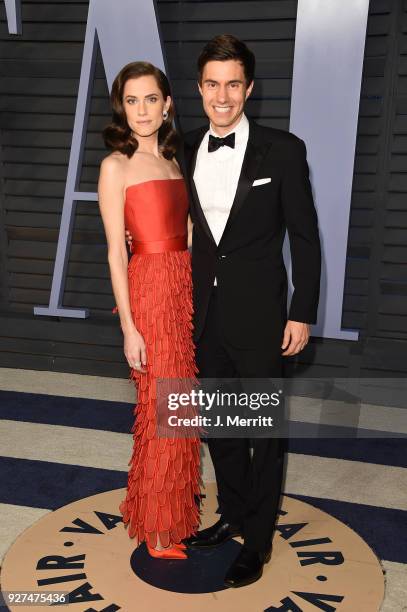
x=125, y=33
x=13, y=13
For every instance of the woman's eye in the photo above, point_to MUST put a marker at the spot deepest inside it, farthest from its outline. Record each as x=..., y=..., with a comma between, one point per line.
x=130, y=101
x=153, y=99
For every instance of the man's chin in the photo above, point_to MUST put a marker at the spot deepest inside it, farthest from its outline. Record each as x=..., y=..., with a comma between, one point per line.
x=222, y=122
x=227, y=120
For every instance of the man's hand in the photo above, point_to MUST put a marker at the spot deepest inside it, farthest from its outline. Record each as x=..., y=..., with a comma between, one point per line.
x=296, y=336
x=129, y=238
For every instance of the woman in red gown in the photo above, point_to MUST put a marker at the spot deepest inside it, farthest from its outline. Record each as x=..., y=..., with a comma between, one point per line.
x=141, y=189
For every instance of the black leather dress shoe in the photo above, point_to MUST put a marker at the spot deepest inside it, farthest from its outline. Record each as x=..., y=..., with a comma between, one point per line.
x=220, y=532
x=246, y=568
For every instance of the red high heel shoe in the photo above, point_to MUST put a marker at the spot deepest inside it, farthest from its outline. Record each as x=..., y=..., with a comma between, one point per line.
x=172, y=552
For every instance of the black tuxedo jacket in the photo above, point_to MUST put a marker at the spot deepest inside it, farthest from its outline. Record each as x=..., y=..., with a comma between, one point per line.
x=248, y=262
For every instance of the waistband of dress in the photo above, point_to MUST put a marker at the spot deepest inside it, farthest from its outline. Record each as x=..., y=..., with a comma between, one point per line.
x=180, y=243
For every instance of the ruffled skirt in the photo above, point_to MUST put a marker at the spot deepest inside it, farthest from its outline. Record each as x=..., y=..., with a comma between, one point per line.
x=162, y=498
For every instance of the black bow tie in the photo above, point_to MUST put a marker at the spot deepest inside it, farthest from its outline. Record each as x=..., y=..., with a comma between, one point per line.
x=214, y=143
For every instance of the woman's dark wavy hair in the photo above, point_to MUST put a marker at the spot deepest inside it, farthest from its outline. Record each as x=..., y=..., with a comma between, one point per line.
x=117, y=135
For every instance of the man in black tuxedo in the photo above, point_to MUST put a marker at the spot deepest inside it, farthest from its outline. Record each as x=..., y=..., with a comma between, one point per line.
x=248, y=184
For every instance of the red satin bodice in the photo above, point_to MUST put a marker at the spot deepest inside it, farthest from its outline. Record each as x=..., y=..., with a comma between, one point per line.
x=156, y=213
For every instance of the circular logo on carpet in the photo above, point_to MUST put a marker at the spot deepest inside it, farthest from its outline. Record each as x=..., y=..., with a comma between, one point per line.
x=83, y=550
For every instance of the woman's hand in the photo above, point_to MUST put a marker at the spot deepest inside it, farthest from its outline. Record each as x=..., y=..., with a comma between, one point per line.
x=135, y=350
x=129, y=239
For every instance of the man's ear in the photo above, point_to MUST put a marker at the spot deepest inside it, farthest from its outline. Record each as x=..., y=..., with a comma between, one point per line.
x=249, y=89
x=199, y=87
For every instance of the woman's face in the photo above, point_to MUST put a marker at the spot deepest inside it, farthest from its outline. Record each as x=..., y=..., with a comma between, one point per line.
x=144, y=105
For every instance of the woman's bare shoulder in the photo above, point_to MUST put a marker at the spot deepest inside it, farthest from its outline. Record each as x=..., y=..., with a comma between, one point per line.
x=115, y=161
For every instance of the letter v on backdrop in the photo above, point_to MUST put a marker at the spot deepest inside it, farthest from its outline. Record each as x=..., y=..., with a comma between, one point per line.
x=324, y=112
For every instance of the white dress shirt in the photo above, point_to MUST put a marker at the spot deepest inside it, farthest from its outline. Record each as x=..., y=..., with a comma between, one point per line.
x=217, y=174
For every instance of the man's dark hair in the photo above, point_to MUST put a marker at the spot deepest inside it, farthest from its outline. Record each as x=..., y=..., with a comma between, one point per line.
x=227, y=47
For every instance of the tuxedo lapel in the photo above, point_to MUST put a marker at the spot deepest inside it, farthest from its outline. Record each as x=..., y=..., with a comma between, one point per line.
x=255, y=151
x=191, y=155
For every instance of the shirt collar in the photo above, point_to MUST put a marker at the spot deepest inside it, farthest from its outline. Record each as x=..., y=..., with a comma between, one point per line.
x=241, y=129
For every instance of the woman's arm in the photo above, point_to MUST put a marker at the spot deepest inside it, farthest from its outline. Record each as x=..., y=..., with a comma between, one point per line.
x=190, y=228
x=111, y=204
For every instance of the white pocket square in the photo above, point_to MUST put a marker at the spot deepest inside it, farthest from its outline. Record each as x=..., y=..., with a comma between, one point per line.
x=262, y=181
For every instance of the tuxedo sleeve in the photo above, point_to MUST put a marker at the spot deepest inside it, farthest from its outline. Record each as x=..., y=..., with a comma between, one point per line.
x=302, y=226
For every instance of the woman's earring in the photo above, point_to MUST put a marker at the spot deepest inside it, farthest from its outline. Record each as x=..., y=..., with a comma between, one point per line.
x=165, y=115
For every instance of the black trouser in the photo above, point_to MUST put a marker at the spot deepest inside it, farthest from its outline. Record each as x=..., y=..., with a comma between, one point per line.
x=249, y=487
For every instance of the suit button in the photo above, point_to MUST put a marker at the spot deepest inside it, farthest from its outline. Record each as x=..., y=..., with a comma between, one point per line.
x=221, y=256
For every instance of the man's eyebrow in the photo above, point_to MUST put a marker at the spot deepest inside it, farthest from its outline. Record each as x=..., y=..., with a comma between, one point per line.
x=228, y=82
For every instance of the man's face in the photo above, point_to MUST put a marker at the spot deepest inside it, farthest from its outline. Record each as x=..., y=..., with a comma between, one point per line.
x=224, y=93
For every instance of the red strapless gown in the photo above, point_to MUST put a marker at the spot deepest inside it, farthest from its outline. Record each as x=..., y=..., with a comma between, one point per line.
x=164, y=477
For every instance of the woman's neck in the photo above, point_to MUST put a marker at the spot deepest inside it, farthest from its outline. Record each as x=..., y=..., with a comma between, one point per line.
x=148, y=145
